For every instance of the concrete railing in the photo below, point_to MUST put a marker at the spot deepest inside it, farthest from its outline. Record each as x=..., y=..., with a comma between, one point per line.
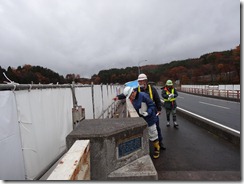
x=119, y=148
x=75, y=164
x=124, y=157
x=216, y=128
x=130, y=110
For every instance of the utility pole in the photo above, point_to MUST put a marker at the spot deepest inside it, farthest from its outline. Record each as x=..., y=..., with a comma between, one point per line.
x=139, y=71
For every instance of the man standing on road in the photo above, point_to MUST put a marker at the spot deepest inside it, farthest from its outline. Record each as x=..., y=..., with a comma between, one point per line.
x=169, y=95
x=153, y=94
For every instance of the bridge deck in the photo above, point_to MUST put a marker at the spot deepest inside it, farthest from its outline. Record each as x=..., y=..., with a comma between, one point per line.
x=194, y=154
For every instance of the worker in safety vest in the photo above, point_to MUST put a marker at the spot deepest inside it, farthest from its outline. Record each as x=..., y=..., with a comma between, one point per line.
x=153, y=94
x=145, y=108
x=169, y=95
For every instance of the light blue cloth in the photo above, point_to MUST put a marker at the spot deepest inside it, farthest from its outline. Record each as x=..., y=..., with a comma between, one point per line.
x=133, y=84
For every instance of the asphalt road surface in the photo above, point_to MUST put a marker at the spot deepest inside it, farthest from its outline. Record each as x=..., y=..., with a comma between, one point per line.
x=194, y=154
x=225, y=112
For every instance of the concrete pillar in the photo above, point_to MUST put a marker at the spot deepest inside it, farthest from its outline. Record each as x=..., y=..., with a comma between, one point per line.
x=116, y=145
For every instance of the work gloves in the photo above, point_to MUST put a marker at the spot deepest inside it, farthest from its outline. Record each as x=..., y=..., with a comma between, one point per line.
x=143, y=113
x=171, y=96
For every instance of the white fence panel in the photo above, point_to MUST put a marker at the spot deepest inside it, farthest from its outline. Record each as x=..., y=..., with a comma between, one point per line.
x=84, y=98
x=237, y=87
x=107, y=98
x=35, y=123
x=98, y=101
x=11, y=157
x=45, y=118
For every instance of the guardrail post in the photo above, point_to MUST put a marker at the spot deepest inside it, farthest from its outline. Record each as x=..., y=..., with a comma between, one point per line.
x=238, y=94
x=93, y=101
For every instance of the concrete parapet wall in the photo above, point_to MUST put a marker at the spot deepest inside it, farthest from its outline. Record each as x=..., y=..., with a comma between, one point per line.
x=75, y=165
x=141, y=169
x=221, y=131
x=114, y=143
x=131, y=112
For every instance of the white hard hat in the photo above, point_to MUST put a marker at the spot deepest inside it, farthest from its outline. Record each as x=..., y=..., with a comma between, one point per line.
x=141, y=77
x=127, y=91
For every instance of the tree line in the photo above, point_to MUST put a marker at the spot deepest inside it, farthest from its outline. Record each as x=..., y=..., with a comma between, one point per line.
x=212, y=68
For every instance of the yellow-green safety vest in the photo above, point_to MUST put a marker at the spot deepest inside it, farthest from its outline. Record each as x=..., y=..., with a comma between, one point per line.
x=168, y=93
x=150, y=91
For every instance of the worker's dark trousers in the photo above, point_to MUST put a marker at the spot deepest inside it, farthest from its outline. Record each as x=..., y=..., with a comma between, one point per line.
x=160, y=137
x=168, y=112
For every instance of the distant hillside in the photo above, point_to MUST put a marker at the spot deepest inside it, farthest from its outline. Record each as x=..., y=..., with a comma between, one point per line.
x=36, y=74
x=212, y=68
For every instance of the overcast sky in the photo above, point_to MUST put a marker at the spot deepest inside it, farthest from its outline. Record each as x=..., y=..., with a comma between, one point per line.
x=86, y=36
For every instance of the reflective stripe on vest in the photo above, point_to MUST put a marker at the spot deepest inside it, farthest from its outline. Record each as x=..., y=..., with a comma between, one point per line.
x=168, y=93
x=150, y=91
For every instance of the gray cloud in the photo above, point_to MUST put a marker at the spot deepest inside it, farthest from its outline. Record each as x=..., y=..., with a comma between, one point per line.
x=85, y=36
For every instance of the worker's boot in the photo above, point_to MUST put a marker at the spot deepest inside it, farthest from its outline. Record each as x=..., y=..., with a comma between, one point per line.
x=175, y=124
x=156, y=149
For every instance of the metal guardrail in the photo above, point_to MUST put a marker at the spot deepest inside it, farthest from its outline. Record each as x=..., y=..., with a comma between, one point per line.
x=16, y=86
x=235, y=94
x=110, y=111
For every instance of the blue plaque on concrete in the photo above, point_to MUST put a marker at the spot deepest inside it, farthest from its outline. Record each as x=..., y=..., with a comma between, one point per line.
x=129, y=146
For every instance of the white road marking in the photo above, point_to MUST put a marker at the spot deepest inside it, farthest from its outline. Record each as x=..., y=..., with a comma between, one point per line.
x=214, y=105
x=211, y=121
